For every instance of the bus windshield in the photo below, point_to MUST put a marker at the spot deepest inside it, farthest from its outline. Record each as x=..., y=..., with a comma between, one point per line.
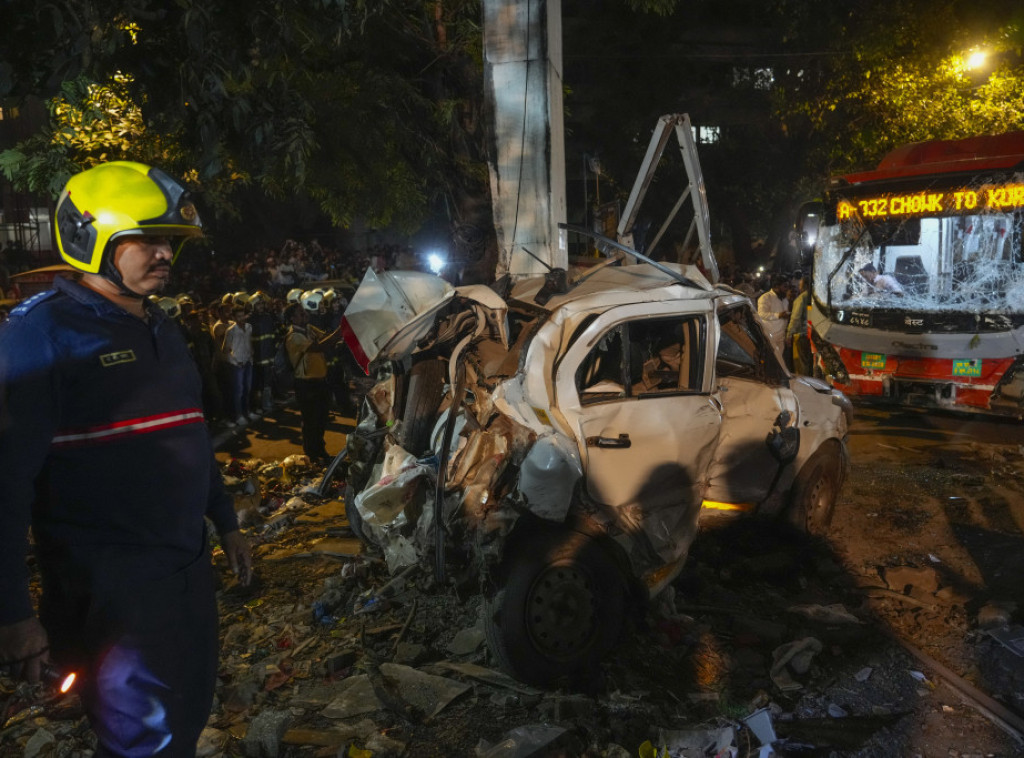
x=923, y=251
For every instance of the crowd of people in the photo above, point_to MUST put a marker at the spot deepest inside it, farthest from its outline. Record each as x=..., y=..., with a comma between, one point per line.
x=782, y=300
x=245, y=346
x=276, y=272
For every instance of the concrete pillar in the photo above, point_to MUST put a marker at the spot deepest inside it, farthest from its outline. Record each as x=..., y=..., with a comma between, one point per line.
x=523, y=89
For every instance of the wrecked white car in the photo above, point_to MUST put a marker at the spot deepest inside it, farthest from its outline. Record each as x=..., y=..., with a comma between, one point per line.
x=562, y=441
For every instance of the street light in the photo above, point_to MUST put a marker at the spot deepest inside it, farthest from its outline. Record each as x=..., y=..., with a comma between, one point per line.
x=976, y=59
x=436, y=262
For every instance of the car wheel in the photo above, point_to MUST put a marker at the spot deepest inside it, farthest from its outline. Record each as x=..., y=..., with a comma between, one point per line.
x=424, y=393
x=816, y=489
x=558, y=607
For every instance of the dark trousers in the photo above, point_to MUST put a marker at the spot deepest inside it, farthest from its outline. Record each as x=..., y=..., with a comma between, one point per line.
x=313, y=397
x=262, y=376
x=145, y=652
x=240, y=379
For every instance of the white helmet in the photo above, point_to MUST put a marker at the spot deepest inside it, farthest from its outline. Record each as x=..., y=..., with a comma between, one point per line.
x=293, y=295
x=312, y=300
x=168, y=305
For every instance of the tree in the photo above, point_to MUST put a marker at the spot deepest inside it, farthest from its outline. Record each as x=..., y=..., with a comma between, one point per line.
x=870, y=78
x=367, y=109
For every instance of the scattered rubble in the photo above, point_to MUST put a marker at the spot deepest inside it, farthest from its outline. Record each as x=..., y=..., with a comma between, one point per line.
x=327, y=655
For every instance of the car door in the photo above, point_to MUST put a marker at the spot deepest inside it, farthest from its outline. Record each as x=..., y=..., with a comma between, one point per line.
x=757, y=406
x=635, y=389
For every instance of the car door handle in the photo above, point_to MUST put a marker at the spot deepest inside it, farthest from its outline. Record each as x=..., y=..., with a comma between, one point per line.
x=621, y=441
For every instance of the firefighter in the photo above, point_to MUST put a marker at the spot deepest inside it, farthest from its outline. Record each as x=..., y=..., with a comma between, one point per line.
x=265, y=341
x=305, y=346
x=222, y=311
x=315, y=304
x=205, y=354
x=104, y=451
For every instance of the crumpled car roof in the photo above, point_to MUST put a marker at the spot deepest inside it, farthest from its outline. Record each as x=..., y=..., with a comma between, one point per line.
x=620, y=283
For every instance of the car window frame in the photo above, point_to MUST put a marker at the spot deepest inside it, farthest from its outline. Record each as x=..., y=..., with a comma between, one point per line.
x=697, y=363
x=767, y=368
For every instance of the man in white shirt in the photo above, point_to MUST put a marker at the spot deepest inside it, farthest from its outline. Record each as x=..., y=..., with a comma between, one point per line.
x=238, y=355
x=880, y=282
x=773, y=309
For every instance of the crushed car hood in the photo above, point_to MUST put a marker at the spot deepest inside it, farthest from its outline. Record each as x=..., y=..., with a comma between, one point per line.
x=392, y=311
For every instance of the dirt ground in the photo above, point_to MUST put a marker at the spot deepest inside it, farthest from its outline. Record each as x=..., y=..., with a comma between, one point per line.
x=925, y=546
x=885, y=625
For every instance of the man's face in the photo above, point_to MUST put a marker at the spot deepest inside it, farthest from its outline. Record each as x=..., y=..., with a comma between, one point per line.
x=144, y=263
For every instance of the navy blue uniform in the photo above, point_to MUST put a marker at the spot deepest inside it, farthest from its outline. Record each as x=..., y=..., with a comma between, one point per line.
x=103, y=446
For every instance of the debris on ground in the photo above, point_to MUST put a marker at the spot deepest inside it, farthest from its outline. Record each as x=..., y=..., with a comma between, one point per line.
x=328, y=655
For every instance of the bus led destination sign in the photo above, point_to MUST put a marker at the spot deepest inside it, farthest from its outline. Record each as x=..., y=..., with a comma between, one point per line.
x=997, y=197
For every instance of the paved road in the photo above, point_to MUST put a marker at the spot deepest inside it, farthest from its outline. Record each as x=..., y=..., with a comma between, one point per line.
x=276, y=436
x=922, y=429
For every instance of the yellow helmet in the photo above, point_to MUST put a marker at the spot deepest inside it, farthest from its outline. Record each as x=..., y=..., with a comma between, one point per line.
x=118, y=199
x=240, y=299
x=293, y=295
x=258, y=297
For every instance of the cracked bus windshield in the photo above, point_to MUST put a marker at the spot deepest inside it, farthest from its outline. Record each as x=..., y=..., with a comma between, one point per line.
x=957, y=249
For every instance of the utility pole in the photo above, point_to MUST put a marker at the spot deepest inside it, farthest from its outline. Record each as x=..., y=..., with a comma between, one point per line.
x=523, y=92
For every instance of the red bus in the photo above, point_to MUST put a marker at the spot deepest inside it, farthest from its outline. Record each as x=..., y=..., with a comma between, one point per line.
x=918, y=277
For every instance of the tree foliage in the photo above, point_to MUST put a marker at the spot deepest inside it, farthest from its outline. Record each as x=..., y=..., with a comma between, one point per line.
x=867, y=78
x=372, y=110
x=359, y=107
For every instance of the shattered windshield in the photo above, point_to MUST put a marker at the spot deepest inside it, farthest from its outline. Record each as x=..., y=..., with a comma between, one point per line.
x=930, y=250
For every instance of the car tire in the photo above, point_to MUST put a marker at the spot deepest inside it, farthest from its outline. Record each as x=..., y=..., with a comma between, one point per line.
x=558, y=606
x=423, y=396
x=816, y=490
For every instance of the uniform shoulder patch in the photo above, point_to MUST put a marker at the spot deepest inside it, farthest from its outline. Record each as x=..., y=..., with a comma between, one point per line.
x=26, y=305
